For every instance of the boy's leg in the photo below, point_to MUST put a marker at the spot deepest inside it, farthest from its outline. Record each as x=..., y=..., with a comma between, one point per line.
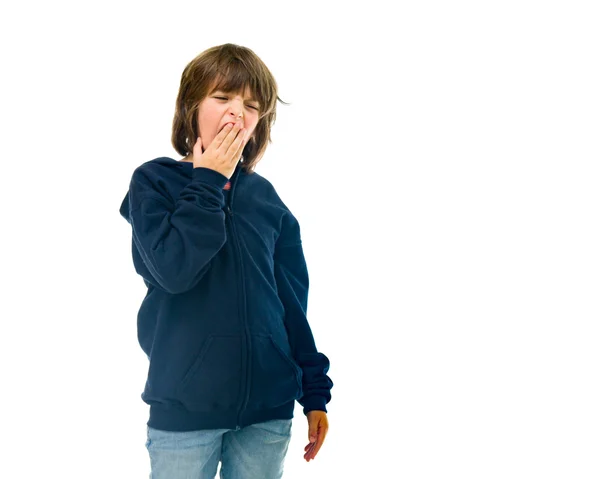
x=184, y=455
x=256, y=451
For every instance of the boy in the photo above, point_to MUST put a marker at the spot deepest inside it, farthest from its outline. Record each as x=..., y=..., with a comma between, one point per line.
x=224, y=320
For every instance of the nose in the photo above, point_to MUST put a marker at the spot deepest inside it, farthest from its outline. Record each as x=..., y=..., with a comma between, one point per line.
x=237, y=111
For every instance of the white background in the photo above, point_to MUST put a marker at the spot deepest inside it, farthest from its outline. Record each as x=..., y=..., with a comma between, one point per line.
x=442, y=158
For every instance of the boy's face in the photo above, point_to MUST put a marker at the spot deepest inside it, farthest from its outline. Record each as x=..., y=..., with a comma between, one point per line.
x=220, y=108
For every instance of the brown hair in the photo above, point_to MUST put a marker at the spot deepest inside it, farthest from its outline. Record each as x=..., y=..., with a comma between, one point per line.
x=229, y=68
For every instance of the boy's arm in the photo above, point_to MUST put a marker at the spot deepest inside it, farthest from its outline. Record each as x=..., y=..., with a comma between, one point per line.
x=175, y=243
x=291, y=275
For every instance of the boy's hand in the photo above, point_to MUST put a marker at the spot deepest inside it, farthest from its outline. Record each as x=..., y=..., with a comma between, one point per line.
x=317, y=430
x=224, y=152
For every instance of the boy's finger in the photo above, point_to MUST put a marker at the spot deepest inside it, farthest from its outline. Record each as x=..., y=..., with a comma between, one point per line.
x=318, y=443
x=309, y=453
x=223, y=136
x=239, y=144
x=232, y=134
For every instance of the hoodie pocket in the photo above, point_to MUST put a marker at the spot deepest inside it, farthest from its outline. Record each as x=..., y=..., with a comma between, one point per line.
x=213, y=381
x=276, y=378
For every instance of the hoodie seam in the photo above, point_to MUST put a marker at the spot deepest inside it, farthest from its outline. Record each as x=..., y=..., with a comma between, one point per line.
x=159, y=198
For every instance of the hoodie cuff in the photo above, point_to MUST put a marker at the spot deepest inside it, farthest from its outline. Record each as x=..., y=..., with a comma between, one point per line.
x=314, y=403
x=210, y=176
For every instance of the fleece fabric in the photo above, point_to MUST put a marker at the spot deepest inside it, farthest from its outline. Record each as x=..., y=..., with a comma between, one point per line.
x=223, y=322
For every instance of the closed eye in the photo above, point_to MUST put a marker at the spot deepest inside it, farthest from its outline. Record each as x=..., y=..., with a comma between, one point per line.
x=225, y=98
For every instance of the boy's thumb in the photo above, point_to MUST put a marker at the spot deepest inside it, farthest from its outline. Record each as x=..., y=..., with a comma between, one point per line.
x=312, y=436
x=199, y=145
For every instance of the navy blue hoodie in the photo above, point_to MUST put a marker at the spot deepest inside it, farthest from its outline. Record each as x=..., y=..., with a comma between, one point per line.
x=224, y=320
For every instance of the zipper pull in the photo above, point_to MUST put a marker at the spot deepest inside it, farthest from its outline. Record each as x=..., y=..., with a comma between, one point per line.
x=229, y=212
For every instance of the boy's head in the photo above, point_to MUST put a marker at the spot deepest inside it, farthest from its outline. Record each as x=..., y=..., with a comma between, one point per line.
x=222, y=84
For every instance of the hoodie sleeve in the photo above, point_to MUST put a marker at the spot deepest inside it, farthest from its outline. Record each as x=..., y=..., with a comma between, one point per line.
x=291, y=275
x=173, y=244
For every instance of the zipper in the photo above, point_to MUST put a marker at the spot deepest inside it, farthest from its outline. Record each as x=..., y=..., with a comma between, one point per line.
x=246, y=343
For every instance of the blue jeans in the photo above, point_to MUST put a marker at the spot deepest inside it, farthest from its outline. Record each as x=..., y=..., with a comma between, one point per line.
x=253, y=452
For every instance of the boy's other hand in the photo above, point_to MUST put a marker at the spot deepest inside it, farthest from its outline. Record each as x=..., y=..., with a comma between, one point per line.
x=318, y=426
